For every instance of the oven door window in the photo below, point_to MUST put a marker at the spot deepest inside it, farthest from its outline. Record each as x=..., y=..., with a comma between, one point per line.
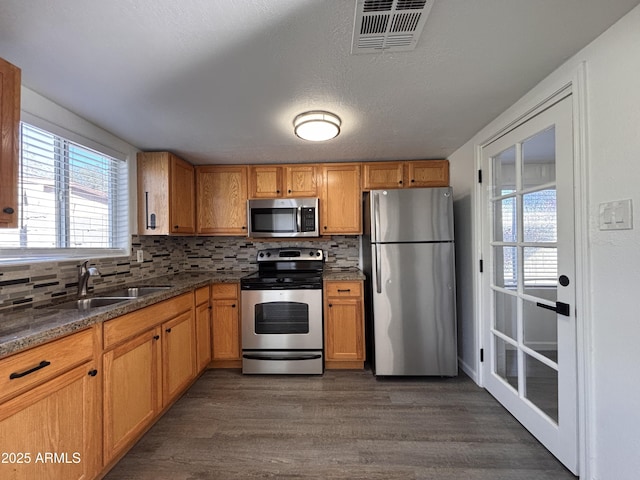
x=279, y=318
x=274, y=220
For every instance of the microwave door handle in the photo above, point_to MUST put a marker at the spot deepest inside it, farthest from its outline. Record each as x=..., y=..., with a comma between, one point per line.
x=299, y=219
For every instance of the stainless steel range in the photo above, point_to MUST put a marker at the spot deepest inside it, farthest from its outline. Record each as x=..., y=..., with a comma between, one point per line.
x=282, y=329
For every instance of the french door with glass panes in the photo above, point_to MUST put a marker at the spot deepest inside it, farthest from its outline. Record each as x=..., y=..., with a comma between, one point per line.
x=529, y=334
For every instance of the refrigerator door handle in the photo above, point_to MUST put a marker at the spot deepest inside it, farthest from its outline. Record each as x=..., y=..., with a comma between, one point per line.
x=376, y=217
x=378, y=274
x=376, y=232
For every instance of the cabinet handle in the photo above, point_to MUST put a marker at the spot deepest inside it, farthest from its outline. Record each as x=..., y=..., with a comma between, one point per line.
x=93, y=373
x=168, y=330
x=277, y=191
x=400, y=182
x=244, y=228
x=413, y=180
x=346, y=290
x=151, y=223
x=325, y=227
x=156, y=337
x=8, y=210
x=288, y=191
x=210, y=307
x=330, y=305
x=175, y=227
x=42, y=364
x=233, y=305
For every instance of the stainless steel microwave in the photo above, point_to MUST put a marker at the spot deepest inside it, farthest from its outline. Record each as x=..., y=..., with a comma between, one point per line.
x=283, y=217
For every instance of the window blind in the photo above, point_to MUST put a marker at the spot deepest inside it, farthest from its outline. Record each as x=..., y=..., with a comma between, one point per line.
x=70, y=196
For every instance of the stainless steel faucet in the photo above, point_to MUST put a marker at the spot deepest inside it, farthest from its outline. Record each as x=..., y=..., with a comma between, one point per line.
x=84, y=272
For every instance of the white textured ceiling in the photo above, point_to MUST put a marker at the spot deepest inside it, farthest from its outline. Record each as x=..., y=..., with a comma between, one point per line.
x=221, y=81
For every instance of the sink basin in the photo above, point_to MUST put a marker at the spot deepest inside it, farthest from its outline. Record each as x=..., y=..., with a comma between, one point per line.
x=89, y=303
x=135, y=291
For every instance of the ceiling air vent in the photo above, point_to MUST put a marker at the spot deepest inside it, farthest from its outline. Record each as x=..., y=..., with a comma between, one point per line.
x=388, y=25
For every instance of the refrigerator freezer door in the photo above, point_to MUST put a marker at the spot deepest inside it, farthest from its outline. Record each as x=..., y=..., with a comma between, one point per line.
x=411, y=215
x=414, y=313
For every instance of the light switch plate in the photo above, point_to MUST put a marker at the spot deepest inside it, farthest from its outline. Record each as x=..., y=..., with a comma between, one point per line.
x=616, y=215
x=140, y=256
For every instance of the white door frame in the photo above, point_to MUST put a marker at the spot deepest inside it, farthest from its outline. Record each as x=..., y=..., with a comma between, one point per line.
x=577, y=87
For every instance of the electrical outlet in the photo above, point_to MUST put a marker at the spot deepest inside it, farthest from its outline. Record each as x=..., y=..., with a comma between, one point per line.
x=140, y=256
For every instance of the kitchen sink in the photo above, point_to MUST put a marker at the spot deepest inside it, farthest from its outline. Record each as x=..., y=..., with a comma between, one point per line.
x=88, y=303
x=136, y=291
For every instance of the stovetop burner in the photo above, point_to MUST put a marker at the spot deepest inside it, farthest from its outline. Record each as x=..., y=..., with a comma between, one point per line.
x=286, y=268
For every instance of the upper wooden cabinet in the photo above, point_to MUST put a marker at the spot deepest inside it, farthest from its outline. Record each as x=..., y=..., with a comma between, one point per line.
x=278, y=181
x=377, y=175
x=340, y=200
x=411, y=174
x=166, y=194
x=221, y=200
x=9, y=144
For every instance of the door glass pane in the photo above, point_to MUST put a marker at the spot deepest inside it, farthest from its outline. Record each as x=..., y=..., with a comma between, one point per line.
x=539, y=216
x=504, y=172
x=505, y=220
x=539, y=159
x=506, y=313
x=506, y=362
x=506, y=264
x=541, y=328
x=542, y=386
x=541, y=270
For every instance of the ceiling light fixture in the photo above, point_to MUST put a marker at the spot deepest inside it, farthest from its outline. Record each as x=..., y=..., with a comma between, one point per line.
x=317, y=126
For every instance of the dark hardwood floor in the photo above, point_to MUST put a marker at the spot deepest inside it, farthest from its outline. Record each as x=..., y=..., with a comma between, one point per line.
x=343, y=425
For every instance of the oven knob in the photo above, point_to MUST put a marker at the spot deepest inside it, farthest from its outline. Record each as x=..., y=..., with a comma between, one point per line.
x=268, y=254
x=311, y=254
x=261, y=255
x=317, y=254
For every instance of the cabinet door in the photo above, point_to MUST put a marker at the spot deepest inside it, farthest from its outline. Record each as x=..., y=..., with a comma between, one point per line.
x=153, y=193
x=203, y=330
x=9, y=146
x=301, y=181
x=57, y=425
x=182, y=198
x=265, y=181
x=221, y=200
x=132, y=392
x=341, y=205
x=344, y=329
x=178, y=355
x=428, y=173
x=377, y=175
x=226, y=329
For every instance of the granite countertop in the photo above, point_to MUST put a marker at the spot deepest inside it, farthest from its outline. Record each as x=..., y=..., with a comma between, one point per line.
x=22, y=328
x=342, y=274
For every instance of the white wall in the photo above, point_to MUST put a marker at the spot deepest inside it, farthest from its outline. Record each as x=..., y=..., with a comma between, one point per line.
x=610, y=311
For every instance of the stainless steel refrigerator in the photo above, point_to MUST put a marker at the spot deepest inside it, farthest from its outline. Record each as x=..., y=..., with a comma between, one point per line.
x=408, y=256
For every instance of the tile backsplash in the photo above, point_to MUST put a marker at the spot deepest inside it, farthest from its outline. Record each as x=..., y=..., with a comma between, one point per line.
x=43, y=281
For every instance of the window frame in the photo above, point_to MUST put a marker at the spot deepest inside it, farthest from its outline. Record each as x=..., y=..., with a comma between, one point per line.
x=18, y=255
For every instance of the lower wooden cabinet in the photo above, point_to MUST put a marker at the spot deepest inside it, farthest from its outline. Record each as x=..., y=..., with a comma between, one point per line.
x=203, y=328
x=132, y=391
x=53, y=430
x=178, y=355
x=149, y=359
x=344, y=324
x=225, y=325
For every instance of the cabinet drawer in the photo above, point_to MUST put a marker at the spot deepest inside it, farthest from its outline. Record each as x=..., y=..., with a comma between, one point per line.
x=202, y=295
x=43, y=362
x=134, y=323
x=343, y=289
x=224, y=290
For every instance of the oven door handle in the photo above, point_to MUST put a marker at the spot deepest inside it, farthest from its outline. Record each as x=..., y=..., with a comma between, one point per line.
x=299, y=219
x=258, y=356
